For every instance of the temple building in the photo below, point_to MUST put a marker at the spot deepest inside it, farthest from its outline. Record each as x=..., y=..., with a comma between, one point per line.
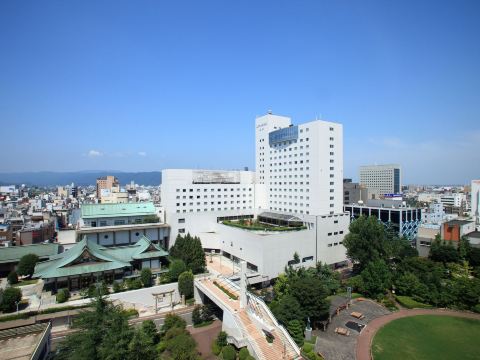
x=88, y=262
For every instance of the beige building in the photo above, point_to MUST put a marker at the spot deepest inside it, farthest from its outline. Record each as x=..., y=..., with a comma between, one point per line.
x=108, y=182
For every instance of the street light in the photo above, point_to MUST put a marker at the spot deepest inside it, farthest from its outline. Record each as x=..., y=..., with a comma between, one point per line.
x=17, y=303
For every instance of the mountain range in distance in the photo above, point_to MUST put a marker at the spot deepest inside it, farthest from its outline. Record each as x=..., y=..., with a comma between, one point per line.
x=82, y=178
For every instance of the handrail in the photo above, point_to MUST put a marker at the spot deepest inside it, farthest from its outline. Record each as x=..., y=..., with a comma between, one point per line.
x=272, y=317
x=276, y=323
x=252, y=342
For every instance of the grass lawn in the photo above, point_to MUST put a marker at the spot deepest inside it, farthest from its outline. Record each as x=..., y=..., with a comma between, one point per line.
x=428, y=337
x=25, y=282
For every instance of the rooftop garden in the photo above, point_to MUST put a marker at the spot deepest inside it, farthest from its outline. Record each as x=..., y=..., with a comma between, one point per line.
x=261, y=226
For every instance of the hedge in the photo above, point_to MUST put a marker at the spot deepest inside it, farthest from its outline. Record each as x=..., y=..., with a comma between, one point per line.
x=409, y=303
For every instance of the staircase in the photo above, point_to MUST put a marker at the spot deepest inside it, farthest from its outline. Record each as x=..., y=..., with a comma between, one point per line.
x=252, y=321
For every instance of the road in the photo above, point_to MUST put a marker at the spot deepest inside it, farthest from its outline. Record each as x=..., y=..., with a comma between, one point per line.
x=159, y=319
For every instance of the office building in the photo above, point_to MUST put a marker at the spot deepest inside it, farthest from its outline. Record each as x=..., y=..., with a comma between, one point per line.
x=384, y=179
x=107, y=182
x=404, y=220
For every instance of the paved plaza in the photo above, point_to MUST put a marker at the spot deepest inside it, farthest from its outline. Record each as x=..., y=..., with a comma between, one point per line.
x=333, y=346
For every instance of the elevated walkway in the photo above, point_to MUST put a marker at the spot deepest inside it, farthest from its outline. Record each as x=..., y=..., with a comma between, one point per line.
x=248, y=325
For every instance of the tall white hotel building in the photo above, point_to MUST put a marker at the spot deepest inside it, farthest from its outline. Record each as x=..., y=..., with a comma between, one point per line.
x=299, y=176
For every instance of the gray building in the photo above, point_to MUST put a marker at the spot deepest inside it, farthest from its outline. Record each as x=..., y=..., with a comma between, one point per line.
x=354, y=192
x=385, y=179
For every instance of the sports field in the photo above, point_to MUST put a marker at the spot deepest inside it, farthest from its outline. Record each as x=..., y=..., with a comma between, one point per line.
x=428, y=337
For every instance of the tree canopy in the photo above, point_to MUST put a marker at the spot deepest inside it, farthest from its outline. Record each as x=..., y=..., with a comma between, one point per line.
x=190, y=250
x=26, y=265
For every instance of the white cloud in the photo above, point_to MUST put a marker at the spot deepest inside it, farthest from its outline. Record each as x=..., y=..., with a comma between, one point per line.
x=94, y=153
x=142, y=153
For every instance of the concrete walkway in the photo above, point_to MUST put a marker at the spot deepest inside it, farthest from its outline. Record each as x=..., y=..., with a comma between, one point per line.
x=364, y=341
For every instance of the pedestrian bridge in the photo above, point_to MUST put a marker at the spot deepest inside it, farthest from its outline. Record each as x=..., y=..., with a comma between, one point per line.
x=247, y=319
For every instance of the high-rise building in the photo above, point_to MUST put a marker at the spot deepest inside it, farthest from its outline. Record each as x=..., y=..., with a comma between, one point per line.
x=298, y=183
x=475, y=201
x=301, y=166
x=108, y=182
x=384, y=179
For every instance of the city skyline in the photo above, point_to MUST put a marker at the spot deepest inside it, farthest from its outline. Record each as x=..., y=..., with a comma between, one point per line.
x=144, y=88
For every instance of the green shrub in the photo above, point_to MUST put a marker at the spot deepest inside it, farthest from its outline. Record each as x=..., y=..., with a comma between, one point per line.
x=389, y=304
x=131, y=312
x=222, y=339
x=62, y=295
x=12, y=278
x=216, y=349
x=228, y=293
x=196, y=315
x=134, y=284
x=117, y=287
x=190, y=301
x=409, y=303
x=228, y=353
x=11, y=296
x=307, y=347
x=250, y=357
x=146, y=277
x=243, y=354
x=476, y=308
x=185, y=284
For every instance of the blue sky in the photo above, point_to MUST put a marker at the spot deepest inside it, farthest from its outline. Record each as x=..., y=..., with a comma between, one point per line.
x=146, y=85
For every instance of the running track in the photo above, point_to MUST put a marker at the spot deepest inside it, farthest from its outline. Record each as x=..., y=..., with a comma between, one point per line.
x=364, y=340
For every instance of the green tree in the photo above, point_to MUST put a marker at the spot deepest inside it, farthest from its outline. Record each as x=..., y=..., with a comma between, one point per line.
x=243, y=354
x=185, y=284
x=228, y=353
x=173, y=321
x=62, y=295
x=443, y=251
x=26, y=265
x=330, y=278
x=190, y=250
x=12, y=277
x=142, y=346
x=376, y=278
x=179, y=345
x=311, y=294
x=280, y=288
x=295, y=328
x=102, y=333
x=10, y=297
x=176, y=268
x=146, y=277
x=150, y=329
x=222, y=339
x=407, y=284
x=464, y=248
x=288, y=308
x=367, y=241
x=197, y=315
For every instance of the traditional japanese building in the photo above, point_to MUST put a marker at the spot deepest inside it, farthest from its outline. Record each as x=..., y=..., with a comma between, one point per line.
x=88, y=262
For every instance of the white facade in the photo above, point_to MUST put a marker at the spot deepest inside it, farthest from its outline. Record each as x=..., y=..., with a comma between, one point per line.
x=196, y=191
x=455, y=199
x=299, y=171
x=301, y=166
x=475, y=201
x=387, y=179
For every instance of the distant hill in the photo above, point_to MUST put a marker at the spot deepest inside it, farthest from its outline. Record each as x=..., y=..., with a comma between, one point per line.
x=83, y=178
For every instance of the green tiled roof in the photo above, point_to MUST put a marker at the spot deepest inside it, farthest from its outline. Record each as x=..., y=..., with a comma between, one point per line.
x=117, y=210
x=103, y=258
x=15, y=253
